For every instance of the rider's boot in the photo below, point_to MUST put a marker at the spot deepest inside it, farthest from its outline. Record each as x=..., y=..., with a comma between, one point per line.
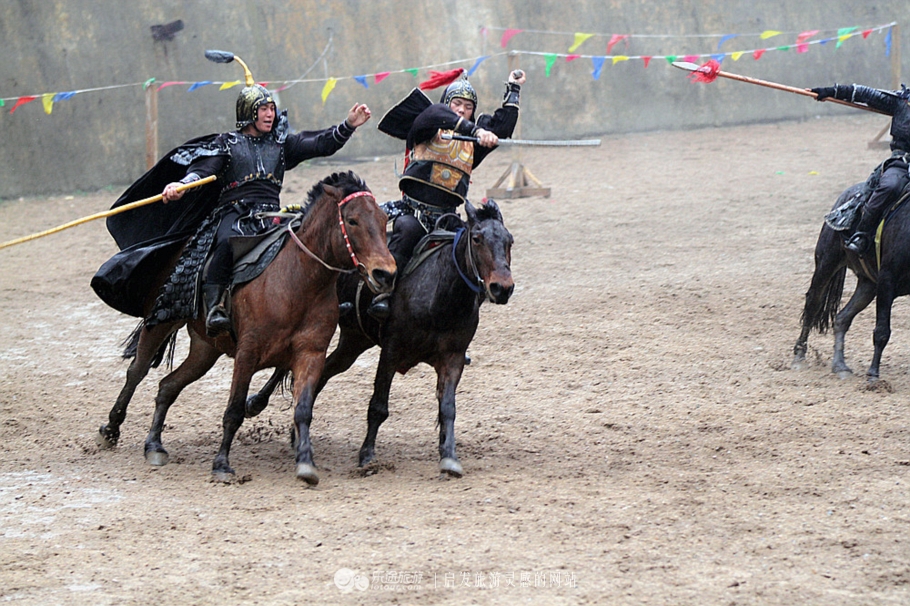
x=217, y=321
x=859, y=242
x=379, y=308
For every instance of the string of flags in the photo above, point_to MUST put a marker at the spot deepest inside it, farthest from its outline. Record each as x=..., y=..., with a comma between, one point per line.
x=800, y=43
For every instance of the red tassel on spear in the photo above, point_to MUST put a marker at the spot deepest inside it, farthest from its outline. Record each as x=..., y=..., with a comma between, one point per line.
x=438, y=79
x=709, y=72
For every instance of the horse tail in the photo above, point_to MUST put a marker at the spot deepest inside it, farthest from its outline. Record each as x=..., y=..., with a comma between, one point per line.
x=823, y=318
x=165, y=351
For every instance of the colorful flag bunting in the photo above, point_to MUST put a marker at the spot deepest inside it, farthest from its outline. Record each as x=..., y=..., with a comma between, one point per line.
x=362, y=80
x=618, y=58
x=47, y=99
x=196, y=85
x=22, y=101
x=327, y=89
x=802, y=37
x=571, y=58
x=758, y=53
x=228, y=85
x=509, y=33
x=770, y=33
x=413, y=71
x=614, y=39
x=737, y=55
x=724, y=39
x=477, y=64
x=646, y=59
x=579, y=40
x=550, y=59
x=380, y=77
x=598, y=66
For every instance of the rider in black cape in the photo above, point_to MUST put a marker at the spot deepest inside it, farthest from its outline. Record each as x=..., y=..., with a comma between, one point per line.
x=249, y=163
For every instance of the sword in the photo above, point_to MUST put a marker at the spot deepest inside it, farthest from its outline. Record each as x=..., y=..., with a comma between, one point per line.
x=530, y=142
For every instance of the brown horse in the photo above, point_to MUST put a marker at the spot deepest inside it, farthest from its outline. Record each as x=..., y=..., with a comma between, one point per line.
x=435, y=313
x=284, y=318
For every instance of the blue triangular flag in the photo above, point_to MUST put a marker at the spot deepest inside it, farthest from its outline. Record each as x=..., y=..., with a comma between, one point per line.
x=198, y=85
x=598, y=65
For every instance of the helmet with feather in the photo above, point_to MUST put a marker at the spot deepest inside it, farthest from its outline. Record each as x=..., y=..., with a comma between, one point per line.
x=252, y=97
x=459, y=89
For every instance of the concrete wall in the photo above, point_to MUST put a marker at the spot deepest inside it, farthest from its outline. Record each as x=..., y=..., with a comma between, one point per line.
x=98, y=138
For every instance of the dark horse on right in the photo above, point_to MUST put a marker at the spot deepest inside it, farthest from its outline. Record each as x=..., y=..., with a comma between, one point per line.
x=883, y=281
x=434, y=314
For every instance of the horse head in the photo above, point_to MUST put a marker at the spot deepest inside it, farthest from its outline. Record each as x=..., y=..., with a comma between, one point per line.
x=490, y=244
x=363, y=229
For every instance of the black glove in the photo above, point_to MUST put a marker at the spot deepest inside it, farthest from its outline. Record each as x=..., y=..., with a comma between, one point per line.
x=824, y=92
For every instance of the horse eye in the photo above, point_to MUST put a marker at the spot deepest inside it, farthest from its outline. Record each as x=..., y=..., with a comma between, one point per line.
x=352, y=222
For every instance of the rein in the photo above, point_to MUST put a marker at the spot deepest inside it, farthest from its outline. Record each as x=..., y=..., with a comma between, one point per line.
x=347, y=240
x=477, y=285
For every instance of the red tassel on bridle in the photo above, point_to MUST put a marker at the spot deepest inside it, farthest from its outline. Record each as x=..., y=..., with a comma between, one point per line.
x=438, y=79
x=707, y=73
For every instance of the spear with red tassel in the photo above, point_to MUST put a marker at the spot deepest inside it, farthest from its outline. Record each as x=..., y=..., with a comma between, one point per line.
x=710, y=71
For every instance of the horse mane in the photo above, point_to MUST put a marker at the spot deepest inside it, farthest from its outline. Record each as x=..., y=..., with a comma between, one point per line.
x=348, y=182
x=489, y=210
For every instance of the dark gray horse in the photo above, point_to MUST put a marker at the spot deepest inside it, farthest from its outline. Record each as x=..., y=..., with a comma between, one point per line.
x=433, y=318
x=883, y=283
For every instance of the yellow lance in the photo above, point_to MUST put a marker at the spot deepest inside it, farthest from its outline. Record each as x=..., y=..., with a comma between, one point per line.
x=105, y=214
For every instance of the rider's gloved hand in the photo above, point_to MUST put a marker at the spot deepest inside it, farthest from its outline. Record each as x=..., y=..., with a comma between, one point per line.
x=824, y=92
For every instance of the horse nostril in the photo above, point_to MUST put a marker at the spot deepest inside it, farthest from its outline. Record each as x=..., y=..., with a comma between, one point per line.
x=383, y=277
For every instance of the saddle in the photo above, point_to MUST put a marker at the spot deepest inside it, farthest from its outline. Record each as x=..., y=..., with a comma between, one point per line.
x=180, y=296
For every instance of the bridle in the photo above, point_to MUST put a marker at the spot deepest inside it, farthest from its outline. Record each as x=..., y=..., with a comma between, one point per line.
x=477, y=285
x=344, y=232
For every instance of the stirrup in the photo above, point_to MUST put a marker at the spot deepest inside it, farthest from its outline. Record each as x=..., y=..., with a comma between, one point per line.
x=217, y=322
x=858, y=243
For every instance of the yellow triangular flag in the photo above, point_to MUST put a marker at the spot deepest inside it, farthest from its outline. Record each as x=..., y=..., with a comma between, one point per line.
x=48, y=100
x=619, y=58
x=769, y=34
x=327, y=89
x=579, y=39
x=737, y=55
x=228, y=85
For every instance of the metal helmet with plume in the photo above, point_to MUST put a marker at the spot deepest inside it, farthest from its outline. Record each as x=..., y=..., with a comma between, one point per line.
x=253, y=95
x=459, y=89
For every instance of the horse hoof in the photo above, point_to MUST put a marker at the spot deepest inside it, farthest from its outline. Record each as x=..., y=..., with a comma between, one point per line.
x=844, y=374
x=224, y=477
x=451, y=466
x=104, y=442
x=254, y=405
x=157, y=458
x=799, y=364
x=307, y=473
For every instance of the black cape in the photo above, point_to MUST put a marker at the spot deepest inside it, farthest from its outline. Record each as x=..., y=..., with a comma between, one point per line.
x=150, y=235
x=398, y=120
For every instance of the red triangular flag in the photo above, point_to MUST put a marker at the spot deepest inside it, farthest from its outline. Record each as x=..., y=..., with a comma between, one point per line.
x=438, y=79
x=508, y=36
x=22, y=101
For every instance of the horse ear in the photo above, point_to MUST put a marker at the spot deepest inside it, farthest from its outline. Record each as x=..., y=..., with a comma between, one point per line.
x=471, y=212
x=493, y=210
x=332, y=191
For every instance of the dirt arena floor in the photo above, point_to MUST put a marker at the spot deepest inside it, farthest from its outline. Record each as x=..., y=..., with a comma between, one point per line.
x=631, y=429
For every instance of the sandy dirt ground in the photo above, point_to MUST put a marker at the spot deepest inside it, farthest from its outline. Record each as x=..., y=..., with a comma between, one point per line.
x=631, y=429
